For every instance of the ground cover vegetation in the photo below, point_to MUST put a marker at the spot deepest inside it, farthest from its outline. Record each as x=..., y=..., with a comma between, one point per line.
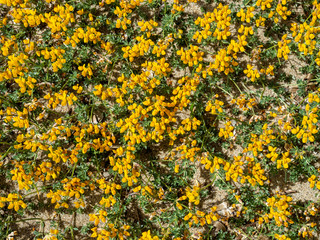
x=137, y=114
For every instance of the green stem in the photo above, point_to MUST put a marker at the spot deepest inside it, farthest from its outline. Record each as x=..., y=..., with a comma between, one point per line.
x=216, y=172
x=91, y=113
x=73, y=169
x=264, y=88
x=35, y=186
x=309, y=16
x=210, y=184
x=204, y=50
x=26, y=219
x=6, y=153
x=37, y=190
x=310, y=65
x=225, y=91
x=236, y=85
x=232, y=118
x=302, y=101
x=8, y=100
x=270, y=48
x=71, y=231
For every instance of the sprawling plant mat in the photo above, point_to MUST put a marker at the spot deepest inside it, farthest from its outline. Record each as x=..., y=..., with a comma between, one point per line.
x=159, y=119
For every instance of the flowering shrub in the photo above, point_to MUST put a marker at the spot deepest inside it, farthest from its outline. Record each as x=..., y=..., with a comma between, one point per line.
x=134, y=113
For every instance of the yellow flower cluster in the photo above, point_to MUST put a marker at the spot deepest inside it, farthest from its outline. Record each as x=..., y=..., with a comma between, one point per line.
x=192, y=195
x=279, y=210
x=216, y=107
x=281, y=237
x=161, y=46
x=123, y=23
x=233, y=170
x=258, y=142
x=23, y=84
x=53, y=232
x=139, y=49
x=260, y=22
x=96, y=218
x=108, y=187
x=284, y=160
x=268, y=70
x=283, y=49
x=245, y=30
x=204, y=23
x=147, y=190
x=29, y=142
x=317, y=60
x=238, y=46
x=72, y=188
x=147, y=236
x=90, y=35
x=58, y=154
x=86, y=71
x=255, y=173
x=55, y=55
x=16, y=67
x=272, y=153
x=304, y=34
x=13, y=3
x=223, y=62
x=111, y=232
x=305, y=232
x=220, y=16
x=8, y=45
x=19, y=174
x=252, y=73
x=181, y=93
x=211, y=165
x=176, y=7
x=104, y=93
x=14, y=201
x=192, y=56
x=264, y=3
x=227, y=131
x=189, y=124
x=160, y=67
x=29, y=45
x=45, y=172
x=147, y=26
x=282, y=11
x=202, y=217
x=19, y=119
x=28, y=17
x=187, y=153
x=308, y=128
x=124, y=166
x=246, y=16
x=60, y=98
x=244, y=104
x=314, y=182
x=313, y=97
x=123, y=11
x=59, y=21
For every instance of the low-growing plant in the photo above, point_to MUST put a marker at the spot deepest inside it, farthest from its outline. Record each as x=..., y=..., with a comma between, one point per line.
x=157, y=119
